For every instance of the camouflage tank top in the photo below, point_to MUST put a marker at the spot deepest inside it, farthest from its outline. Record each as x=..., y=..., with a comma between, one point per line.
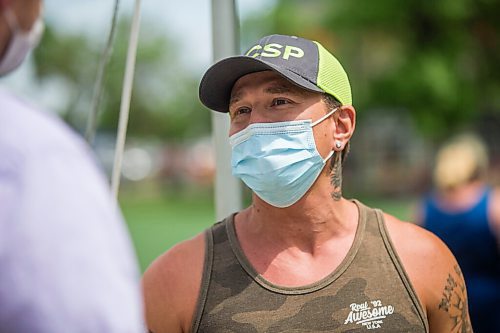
x=368, y=291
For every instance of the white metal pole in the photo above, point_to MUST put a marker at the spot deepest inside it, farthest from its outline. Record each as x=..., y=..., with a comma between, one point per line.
x=126, y=97
x=225, y=31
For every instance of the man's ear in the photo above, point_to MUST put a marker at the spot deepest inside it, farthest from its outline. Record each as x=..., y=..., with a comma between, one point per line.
x=345, y=125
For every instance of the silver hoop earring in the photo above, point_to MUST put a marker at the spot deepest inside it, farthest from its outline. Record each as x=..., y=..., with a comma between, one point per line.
x=338, y=144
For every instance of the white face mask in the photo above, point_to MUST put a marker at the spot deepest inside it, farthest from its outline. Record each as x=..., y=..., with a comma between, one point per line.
x=20, y=43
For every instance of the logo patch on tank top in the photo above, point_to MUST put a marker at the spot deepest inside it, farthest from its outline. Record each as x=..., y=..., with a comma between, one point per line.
x=369, y=314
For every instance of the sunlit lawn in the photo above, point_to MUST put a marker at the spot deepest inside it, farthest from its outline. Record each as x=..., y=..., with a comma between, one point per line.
x=157, y=222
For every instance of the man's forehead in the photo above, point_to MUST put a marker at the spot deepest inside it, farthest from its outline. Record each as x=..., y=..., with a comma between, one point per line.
x=270, y=82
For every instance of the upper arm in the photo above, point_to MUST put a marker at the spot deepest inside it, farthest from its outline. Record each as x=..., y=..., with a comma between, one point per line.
x=435, y=275
x=171, y=286
x=447, y=307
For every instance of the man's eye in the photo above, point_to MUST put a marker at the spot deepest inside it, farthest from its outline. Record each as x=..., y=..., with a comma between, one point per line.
x=280, y=101
x=240, y=111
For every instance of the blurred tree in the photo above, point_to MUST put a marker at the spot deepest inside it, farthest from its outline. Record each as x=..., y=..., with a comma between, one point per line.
x=436, y=59
x=163, y=103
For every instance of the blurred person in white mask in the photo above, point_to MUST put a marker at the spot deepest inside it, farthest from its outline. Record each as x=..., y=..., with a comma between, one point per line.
x=66, y=260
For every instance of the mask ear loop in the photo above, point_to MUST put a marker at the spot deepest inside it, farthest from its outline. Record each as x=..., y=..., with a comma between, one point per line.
x=329, y=156
x=320, y=120
x=324, y=117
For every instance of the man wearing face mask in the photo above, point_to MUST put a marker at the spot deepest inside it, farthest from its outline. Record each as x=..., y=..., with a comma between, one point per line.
x=301, y=258
x=66, y=260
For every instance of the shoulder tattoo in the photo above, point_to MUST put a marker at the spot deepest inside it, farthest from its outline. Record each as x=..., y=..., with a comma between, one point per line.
x=454, y=302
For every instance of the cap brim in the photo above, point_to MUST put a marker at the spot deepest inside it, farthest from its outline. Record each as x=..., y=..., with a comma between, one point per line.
x=218, y=81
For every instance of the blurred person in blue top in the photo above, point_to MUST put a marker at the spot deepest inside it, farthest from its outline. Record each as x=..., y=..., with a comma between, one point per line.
x=464, y=211
x=66, y=260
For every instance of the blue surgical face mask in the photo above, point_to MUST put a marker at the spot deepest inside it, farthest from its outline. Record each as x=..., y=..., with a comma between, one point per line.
x=278, y=161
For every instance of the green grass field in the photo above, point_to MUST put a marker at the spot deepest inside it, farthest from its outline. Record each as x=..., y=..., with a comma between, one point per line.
x=157, y=222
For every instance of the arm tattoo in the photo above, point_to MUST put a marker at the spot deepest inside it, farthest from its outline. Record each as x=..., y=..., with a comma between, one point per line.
x=454, y=302
x=336, y=180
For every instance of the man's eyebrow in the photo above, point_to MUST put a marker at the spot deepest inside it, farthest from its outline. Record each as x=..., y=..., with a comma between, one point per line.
x=274, y=89
x=277, y=90
x=234, y=98
x=284, y=89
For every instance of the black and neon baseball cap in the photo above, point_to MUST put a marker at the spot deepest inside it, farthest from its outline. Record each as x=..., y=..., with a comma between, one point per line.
x=304, y=62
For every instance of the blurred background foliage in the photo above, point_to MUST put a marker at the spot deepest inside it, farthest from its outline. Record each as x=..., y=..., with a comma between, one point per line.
x=164, y=99
x=437, y=60
x=420, y=71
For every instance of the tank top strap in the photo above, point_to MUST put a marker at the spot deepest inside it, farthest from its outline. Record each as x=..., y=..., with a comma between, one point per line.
x=213, y=235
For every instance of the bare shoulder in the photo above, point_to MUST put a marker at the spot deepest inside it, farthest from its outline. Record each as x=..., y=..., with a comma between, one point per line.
x=434, y=273
x=171, y=285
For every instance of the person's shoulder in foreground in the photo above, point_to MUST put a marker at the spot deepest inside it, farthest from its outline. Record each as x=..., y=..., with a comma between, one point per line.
x=301, y=257
x=66, y=260
x=65, y=255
